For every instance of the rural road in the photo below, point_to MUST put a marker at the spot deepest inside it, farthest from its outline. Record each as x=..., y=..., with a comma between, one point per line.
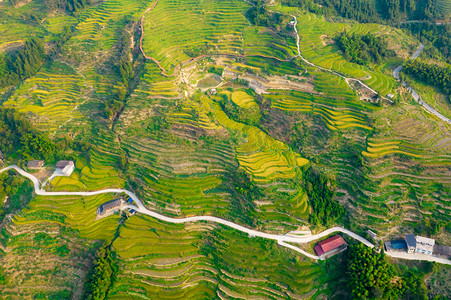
x=328, y=70
x=414, y=94
x=281, y=239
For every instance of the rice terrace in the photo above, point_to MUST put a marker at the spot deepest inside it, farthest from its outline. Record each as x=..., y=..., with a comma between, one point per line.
x=225, y=149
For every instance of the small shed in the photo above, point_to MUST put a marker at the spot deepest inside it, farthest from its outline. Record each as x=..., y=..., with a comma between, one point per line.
x=411, y=243
x=371, y=233
x=66, y=167
x=35, y=164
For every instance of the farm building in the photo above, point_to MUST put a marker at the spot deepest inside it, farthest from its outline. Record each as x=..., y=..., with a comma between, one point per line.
x=424, y=245
x=411, y=243
x=111, y=206
x=66, y=167
x=398, y=245
x=331, y=246
x=35, y=164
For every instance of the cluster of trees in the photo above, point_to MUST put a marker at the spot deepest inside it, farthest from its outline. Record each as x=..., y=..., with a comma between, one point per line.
x=362, y=49
x=395, y=10
x=371, y=276
x=66, y=5
x=430, y=74
x=259, y=14
x=22, y=63
x=250, y=116
x=306, y=5
x=105, y=271
x=19, y=139
x=18, y=190
x=244, y=193
x=360, y=10
x=124, y=69
x=366, y=11
x=437, y=35
x=321, y=192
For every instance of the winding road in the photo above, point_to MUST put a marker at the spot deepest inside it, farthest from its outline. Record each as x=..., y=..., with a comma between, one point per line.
x=347, y=79
x=414, y=94
x=281, y=239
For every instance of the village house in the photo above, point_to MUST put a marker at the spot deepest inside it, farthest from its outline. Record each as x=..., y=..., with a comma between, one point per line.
x=330, y=247
x=424, y=245
x=35, y=164
x=411, y=243
x=110, y=207
x=66, y=167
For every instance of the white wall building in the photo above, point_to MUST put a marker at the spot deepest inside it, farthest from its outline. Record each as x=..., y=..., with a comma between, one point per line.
x=424, y=245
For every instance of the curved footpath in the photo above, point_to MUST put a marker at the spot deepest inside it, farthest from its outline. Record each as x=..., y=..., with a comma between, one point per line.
x=282, y=240
x=414, y=94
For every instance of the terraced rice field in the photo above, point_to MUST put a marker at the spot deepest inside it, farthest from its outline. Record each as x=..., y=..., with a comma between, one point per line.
x=433, y=97
x=51, y=95
x=171, y=261
x=336, y=114
x=264, y=42
x=172, y=35
x=243, y=99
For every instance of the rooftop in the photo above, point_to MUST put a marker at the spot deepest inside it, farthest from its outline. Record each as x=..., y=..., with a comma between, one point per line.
x=425, y=243
x=109, y=205
x=411, y=241
x=35, y=164
x=63, y=163
x=331, y=243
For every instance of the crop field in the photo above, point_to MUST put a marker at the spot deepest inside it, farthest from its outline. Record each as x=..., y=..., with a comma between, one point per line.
x=51, y=95
x=218, y=24
x=243, y=99
x=160, y=260
x=50, y=245
x=433, y=97
x=11, y=36
x=409, y=171
x=264, y=42
x=314, y=33
x=229, y=152
x=337, y=114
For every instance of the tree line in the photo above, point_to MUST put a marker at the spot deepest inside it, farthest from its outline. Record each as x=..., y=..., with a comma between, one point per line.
x=321, y=193
x=430, y=74
x=362, y=49
x=124, y=70
x=104, y=274
x=22, y=63
x=259, y=15
x=437, y=35
x=366, y=11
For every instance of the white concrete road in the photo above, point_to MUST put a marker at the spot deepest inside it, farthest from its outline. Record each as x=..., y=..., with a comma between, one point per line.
x=414, y=94
x=281, y=239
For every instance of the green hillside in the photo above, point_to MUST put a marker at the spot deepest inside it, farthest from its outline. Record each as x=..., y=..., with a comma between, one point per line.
x=212, y=108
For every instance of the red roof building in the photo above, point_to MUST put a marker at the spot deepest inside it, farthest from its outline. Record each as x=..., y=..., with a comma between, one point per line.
x=327, y=246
